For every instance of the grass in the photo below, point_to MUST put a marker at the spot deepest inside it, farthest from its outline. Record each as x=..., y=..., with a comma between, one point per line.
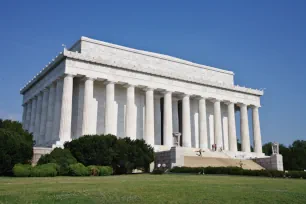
x=152, y=189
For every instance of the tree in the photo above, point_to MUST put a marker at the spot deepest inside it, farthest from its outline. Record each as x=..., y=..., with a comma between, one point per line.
x=123, y=154
x=14, y=148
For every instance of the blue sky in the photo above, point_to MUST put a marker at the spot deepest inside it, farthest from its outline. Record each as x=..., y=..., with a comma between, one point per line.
x=263, y=42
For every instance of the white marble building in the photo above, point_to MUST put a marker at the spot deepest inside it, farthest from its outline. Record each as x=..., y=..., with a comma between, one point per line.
x=97, y=87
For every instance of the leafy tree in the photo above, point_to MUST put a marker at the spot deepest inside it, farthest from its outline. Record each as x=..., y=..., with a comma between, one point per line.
x=122, y=154
x=14, y=148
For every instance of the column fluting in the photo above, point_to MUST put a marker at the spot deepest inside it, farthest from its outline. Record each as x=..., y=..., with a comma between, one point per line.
x=186, y=122
x=66, y=109
x=28, y=117
x=50, y=114
x=232, y=127
x=87, y=107
x=167, y=124
x=43, y=118
x=24, y=116
x=57, y=111
x=203, y=124
x=256, y=130
x=217, y=124
x=109, y=108
x=149, y=117
x=244, y=129
x=130, y=126
x=33, y=115
x=37, y=118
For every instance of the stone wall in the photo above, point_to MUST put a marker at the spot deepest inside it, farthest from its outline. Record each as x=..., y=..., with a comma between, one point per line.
x=274, y=162
x=38, y=152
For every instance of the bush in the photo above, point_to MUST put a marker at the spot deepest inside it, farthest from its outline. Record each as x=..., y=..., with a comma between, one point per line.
x=78, y=170
x=93, y=170
x=185, y=169
x=62, y=157
x=15, y=148
x=105, y=170
x=158, y=171
x=22, y=170
x=277, y=174
x=296, y=174
x=45, y=170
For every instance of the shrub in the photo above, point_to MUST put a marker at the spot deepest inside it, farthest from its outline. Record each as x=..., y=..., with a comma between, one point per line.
x=105, y=170
x=45, y=170
x=277, y=174
x=15, y=148
x=62, y=157
x=296, y=174
x=158, y=171
x=78, y=170
x=93, y=170
x=22, y=170
x=185, y=169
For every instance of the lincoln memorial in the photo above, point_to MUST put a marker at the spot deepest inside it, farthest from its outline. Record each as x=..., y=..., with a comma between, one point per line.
x=101, y=88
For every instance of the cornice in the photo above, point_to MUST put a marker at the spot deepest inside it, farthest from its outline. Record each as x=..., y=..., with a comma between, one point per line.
x=43, y=72
x=149, y=70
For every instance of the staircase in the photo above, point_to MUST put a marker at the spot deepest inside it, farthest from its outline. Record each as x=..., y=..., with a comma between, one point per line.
x=196, y=161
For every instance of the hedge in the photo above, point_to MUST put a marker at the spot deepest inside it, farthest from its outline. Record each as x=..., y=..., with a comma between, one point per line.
x=45, y=170
x=239, y=171
x=78, y=170
x=22, y=170
x=105, y=170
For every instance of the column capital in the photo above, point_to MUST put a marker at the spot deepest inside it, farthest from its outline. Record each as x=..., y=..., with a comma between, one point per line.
x=214, y=100
x=84, y=78
x=148, y=89
x=69, y=75
x=127, y=85
x=109, y=82
x=241, y=105
x=166, y=92
x=254, y=106
x=228, y=102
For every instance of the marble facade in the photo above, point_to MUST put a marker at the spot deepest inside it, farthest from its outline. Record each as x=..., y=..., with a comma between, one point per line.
x=97, y=87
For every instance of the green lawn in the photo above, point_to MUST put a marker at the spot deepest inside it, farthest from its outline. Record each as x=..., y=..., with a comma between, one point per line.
x=152, y=189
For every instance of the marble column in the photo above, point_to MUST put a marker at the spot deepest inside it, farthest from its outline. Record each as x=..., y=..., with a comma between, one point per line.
x=244, y=129
x=28, y=116
x=33, y=115
x=37, y=118
x=149, y=117
x=57, y=111
x=50, y=114
x=88, y=95
x=24, y=116
x=203, y=124
x=186, y=122
x=256, y=130
x=43, y=118
x=217, y=124
x=130, y=125
x=232, y=137
x=66, y=109
x=109, y=108
x=168, y=130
